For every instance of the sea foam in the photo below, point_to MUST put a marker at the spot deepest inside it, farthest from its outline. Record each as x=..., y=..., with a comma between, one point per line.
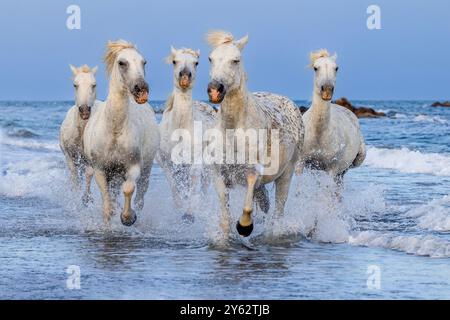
x=408, y=161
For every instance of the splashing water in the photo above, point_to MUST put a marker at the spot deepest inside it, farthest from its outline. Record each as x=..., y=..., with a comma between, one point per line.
x=390, y=211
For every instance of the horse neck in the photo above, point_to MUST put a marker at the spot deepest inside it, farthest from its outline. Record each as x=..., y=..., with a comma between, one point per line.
x=320, y=112
x=117, y=105
x=235, y=108
x=181, y=113
x=81, y=124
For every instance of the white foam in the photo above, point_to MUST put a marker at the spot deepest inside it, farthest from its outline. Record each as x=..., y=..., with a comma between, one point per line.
x=399, y=116
x=434, y=216
x=34, y=177
x=431, y=119
x=417, y=245
x=408, y=161
x=314, y=211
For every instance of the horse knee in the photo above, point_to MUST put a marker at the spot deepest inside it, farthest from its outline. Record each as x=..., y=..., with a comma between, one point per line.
x=128, y=187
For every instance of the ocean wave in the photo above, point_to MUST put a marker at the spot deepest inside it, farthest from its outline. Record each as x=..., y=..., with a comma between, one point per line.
x=408, y=161
x=434, y=216
x=23, y=133
x=431, y=119
x=15, y=140
x=418, y=245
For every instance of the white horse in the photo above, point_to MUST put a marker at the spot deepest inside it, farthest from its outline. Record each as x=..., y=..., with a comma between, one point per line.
x=122, y=137
x=263, y=112
x=72, y=128
x=180, y=113
x=333, y=139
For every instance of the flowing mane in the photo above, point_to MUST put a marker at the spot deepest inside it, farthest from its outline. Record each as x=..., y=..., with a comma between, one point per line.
x=194, y=53
x=217, y=37
x=84, y=69
x=112, y=50
x=314, y=56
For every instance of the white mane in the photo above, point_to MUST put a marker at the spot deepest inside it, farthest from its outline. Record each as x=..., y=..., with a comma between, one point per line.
x=217, y=37
x=113, y=48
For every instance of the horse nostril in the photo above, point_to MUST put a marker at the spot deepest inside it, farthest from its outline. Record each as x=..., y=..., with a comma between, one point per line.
x=221, y=88
x=190, y=74
x=322, y=88
x=136, y=88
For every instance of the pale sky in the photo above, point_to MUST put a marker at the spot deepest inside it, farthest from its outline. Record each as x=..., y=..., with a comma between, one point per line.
x=407, y=59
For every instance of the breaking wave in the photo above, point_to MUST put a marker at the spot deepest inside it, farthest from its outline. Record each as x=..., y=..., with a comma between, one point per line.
x=408, y=161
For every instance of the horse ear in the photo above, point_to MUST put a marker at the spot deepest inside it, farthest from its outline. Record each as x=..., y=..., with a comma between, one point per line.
x=334, y=56
x=198, y=53
x=94, y=70
x=74, y=70
x=242, y=42
x=169, y=58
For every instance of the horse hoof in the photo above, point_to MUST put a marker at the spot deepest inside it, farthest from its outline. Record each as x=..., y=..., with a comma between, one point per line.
x=188, y=218
x=129, y=221
x=244, y=231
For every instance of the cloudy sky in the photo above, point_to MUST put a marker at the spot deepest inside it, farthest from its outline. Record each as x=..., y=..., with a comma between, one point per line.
x=409, y=58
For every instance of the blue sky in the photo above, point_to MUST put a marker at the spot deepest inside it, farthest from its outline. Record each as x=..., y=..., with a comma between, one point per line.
x=407, y=59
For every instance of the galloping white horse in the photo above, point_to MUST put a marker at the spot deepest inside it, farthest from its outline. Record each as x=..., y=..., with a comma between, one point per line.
x=180, y=113
x=122, y=137
x=333, y=139
x=72, y=128
x=240, y=109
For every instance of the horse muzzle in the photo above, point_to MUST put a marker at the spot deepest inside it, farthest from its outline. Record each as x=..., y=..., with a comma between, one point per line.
x=327, y=92
x=140, y=92
x=216, y=92
x=185, y=79
x=185, y=82
x=85, y=112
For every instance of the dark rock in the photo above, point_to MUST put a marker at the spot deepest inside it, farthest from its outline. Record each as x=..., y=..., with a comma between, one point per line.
x=441, y=104
x=360, y=112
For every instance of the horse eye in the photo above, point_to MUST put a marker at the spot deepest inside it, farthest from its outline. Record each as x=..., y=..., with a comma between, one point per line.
x=337, y=68
x=210, y=60
x=122, y=63
x=94, y=86
x=144, y=62
x=236, y=61
x=75, y=86
x=196, y=64
x=315, y=68
x=174, y=62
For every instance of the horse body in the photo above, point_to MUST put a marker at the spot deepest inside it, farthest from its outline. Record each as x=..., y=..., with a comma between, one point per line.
x=180, y=113
x=73, y=126
x=122, y=138
x=241, y=109
x=333, y=139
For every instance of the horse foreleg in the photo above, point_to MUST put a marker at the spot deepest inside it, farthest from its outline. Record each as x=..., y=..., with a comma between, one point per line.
x=282, y=185
x=224, y=198
x=193, y=193
x=73, y=168
x=339, y=180
x=245, y=224
x=299, y=168
x=142, y=187
x=128, y=216
x=87, y=192
x=102, y=182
